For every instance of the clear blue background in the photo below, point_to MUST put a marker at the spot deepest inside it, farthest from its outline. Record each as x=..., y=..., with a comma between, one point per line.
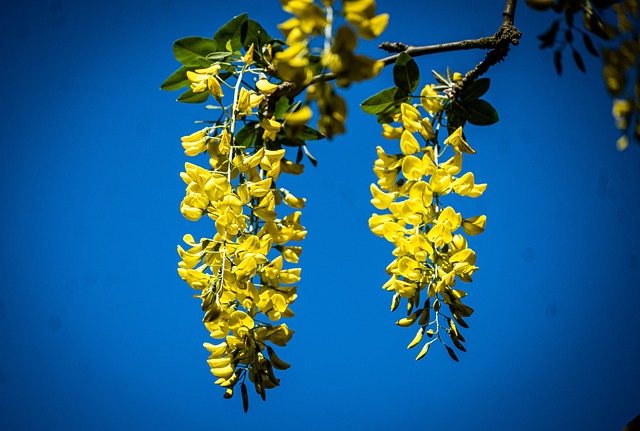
x=98, y=332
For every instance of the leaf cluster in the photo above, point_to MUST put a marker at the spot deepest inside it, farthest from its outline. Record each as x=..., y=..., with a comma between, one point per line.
x=197, y=52
x=467, y=107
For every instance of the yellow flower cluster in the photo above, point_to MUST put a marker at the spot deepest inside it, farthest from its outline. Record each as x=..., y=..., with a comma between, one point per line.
x=431, y=254
x=619, y=63
x=240, y=273
x=338, y=56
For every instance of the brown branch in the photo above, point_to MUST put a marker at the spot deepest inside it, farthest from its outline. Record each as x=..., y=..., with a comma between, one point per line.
x=506, y=36
x=497, y=45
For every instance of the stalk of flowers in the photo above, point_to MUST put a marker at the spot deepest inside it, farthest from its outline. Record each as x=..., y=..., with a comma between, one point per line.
x=240, y=273
x=298, y=63
x=431, y=254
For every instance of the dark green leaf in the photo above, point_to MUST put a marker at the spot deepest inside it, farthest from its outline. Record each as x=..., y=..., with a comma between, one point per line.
x=406, y=74
x=192, y=51
x=249, y=135
x=557, y=61
x=568, y=35
x=289, y=141
x=548, y=38
x=254, y=33
x=176, y=80
x=312, y=159
x=480, y=112
x=577, y=58
x=594, y=24
x=476, y=89
x=568, y=14
x=452, y=353
x=456, y=117
x=282, y=106
x=231, y=33
x=309, y=134
x=442, y=79
x=219, y=56
x=245, y=397
x=588, y=43
x=191, y=97
x=380, y=102
x=459, y=319
x=457, y=342
x=387, y=116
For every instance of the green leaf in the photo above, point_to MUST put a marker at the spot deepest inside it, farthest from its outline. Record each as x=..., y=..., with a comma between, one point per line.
x=577, y=58
x=231, y=33
x=192, y=51
x=289, y=141
x=191, y=97
x=249, y=135
x=312, y=159
x=306, y=134
x=476, y=89
x=588, y=43
x=176, y=80
x=254, y=33
x=309, y=134
x=406, y=74
x=557, y=61
x=442, y=79
x=282, y=106
x=380, y=102
x=456, y=117
x=480, y=112
x=452, y=353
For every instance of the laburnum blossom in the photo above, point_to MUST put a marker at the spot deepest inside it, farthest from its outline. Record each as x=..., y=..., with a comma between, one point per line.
x=244, y=274
x=345, y=63
x=431, y=255
x=362, y=15
x=203, y=79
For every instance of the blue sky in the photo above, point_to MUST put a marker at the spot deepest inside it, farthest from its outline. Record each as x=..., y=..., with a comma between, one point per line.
x=99, y=332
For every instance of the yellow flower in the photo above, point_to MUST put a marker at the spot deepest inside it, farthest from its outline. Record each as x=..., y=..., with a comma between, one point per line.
x=408, y=143
x=411, y=118
x=291, y=200
x=447, y=222
x=271, y=128
x=214, y=87
x=456, y=140
x=376, y=223
x=292, y=64
x=622, y=110
x=195, y=143
x=380, y=199
x=270, y=162
x=247, y=100
x=361, y=14
x=266, y=87
x=389, y=132
x=412, y=168
x=465, y=186
x=474, y=225
x=430, y=100
x=299, y=117
x=280, y=335
x=248, y=56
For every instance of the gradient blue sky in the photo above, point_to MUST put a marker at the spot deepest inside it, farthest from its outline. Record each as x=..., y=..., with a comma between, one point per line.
x=98, y=332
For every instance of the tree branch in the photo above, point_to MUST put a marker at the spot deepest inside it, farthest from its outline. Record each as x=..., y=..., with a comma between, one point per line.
x=498, y=46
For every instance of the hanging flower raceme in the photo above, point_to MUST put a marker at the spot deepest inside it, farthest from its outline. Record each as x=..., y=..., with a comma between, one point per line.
x=431, y=254
x=298, y=64
x=243, y=273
